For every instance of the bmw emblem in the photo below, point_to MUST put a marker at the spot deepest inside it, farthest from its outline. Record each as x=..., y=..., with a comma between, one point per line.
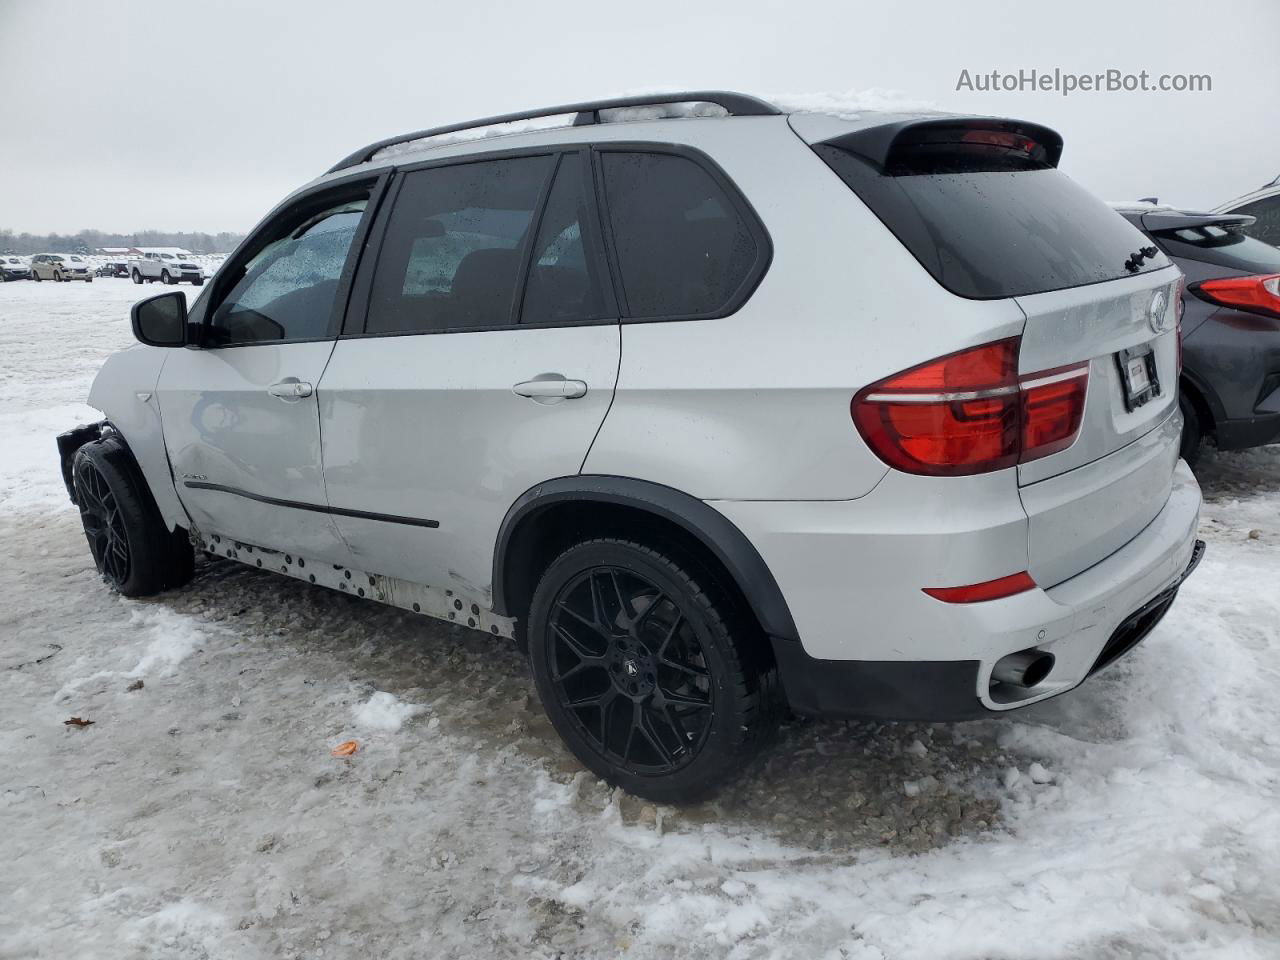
x=1157, y=316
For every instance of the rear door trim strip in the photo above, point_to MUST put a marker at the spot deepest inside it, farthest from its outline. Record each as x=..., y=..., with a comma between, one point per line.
x=314, y=507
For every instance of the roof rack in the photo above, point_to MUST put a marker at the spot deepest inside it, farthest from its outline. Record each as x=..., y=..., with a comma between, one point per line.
x=735, y=104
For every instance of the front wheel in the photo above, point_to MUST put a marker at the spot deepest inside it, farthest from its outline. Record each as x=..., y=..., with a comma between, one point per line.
x=165, y=278
x=132, y=548
x=35, y=275
x=657, y=684
x=198, y=282
x=57, y=278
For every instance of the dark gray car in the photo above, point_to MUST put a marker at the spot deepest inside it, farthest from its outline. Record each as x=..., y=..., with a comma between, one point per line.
x=1230, y=383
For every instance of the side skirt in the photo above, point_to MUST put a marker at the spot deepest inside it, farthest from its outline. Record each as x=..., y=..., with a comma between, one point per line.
x=442, y=604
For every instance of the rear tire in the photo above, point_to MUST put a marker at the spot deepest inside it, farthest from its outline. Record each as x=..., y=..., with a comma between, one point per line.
x=1192, y=429
x=137, y=277
x=666, y=692
x=134, y=551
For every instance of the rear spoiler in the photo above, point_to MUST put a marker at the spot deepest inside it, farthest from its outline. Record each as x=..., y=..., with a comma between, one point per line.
x=1174, y=220
x=892, y=147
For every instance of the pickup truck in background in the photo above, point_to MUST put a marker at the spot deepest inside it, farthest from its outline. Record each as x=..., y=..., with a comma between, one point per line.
x=165, y=267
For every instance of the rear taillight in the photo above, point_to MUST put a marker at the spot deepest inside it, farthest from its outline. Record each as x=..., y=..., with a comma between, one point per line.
x=970, y=412
x=1258, y=294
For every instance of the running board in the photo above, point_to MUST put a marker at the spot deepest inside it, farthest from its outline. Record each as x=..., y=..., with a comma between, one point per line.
x=429, y=601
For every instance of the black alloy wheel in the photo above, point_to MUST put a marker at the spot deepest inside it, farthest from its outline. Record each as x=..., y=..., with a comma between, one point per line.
x=656, y=683
x=104, y=524
x=133, y=549
x=630, y=670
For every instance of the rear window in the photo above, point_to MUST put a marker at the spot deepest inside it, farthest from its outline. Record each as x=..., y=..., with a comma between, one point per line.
x=1267, y=226
x=1222, y=247
x=989, y=230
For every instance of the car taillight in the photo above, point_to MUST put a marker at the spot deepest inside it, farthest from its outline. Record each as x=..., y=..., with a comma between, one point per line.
x=1257, y=294
x=970, y=412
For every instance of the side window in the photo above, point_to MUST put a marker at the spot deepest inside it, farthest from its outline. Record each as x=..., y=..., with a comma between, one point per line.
x=682, y=247
x=451, y=255
x=566, y=282
x=1267, y=227
x=287, y=288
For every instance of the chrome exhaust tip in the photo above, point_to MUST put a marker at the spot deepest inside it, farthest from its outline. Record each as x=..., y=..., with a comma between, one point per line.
x=1024, y=669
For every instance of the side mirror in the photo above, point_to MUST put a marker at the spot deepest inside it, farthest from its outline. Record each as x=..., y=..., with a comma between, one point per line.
x=161, y=321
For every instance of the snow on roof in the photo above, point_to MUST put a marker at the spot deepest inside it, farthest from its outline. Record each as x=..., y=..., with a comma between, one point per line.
x=176, y=251
x=850, y=104
x=1137, y=206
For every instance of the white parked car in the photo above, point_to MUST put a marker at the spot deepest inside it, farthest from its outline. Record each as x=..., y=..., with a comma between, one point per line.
x=872, y=417
x=14, y=268
x=167, y=268
x=60, y=267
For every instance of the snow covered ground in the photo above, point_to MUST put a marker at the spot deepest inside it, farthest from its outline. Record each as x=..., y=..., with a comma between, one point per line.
x=202, y=816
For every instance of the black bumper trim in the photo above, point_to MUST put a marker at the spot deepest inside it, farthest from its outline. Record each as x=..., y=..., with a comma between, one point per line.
x=878, y=689
x=1245, y=432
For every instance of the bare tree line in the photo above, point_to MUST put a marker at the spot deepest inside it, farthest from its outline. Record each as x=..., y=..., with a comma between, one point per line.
x=88, y=241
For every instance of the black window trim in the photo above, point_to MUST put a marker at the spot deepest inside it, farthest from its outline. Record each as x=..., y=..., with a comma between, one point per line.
x=357, y=313
x=593, y=247
x=357, y=316
x=755, y=226
x=226, y=277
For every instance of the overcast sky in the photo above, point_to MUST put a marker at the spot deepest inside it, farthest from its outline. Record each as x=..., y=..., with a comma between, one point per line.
x=200, y=116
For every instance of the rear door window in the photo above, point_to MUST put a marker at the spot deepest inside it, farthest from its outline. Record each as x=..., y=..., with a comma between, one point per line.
x=684, y=247
x=992, y=228
x=452, y=254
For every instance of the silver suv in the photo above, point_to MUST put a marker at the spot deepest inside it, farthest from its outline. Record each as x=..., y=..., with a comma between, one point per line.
x=711, y=413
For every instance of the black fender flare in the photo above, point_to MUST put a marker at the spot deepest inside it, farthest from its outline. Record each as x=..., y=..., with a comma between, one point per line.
x=1207, y=395
x=706, y=524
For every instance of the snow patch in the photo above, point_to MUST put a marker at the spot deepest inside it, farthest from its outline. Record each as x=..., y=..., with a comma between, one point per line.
x=385, y=713
x=173, y=638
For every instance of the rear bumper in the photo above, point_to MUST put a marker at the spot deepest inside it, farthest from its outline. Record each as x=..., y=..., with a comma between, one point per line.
x=873, y=645
x=934, y=691
x=1248, y=432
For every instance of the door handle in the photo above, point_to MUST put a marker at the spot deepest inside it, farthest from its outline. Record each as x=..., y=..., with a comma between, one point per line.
x=557, y=388
x=290, y=388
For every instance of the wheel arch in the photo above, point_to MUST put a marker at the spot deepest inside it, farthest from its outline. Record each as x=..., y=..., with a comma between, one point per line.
x=1204, y=400
x=545, y=515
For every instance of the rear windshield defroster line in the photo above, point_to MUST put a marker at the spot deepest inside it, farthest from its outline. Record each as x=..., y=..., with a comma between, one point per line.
x=988, y=234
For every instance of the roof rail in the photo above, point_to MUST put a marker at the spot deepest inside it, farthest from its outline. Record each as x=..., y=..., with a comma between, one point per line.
x=736, y=104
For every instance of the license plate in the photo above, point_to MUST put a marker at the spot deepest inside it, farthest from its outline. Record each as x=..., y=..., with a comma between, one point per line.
x=1138, y=375
x=1139, y=379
